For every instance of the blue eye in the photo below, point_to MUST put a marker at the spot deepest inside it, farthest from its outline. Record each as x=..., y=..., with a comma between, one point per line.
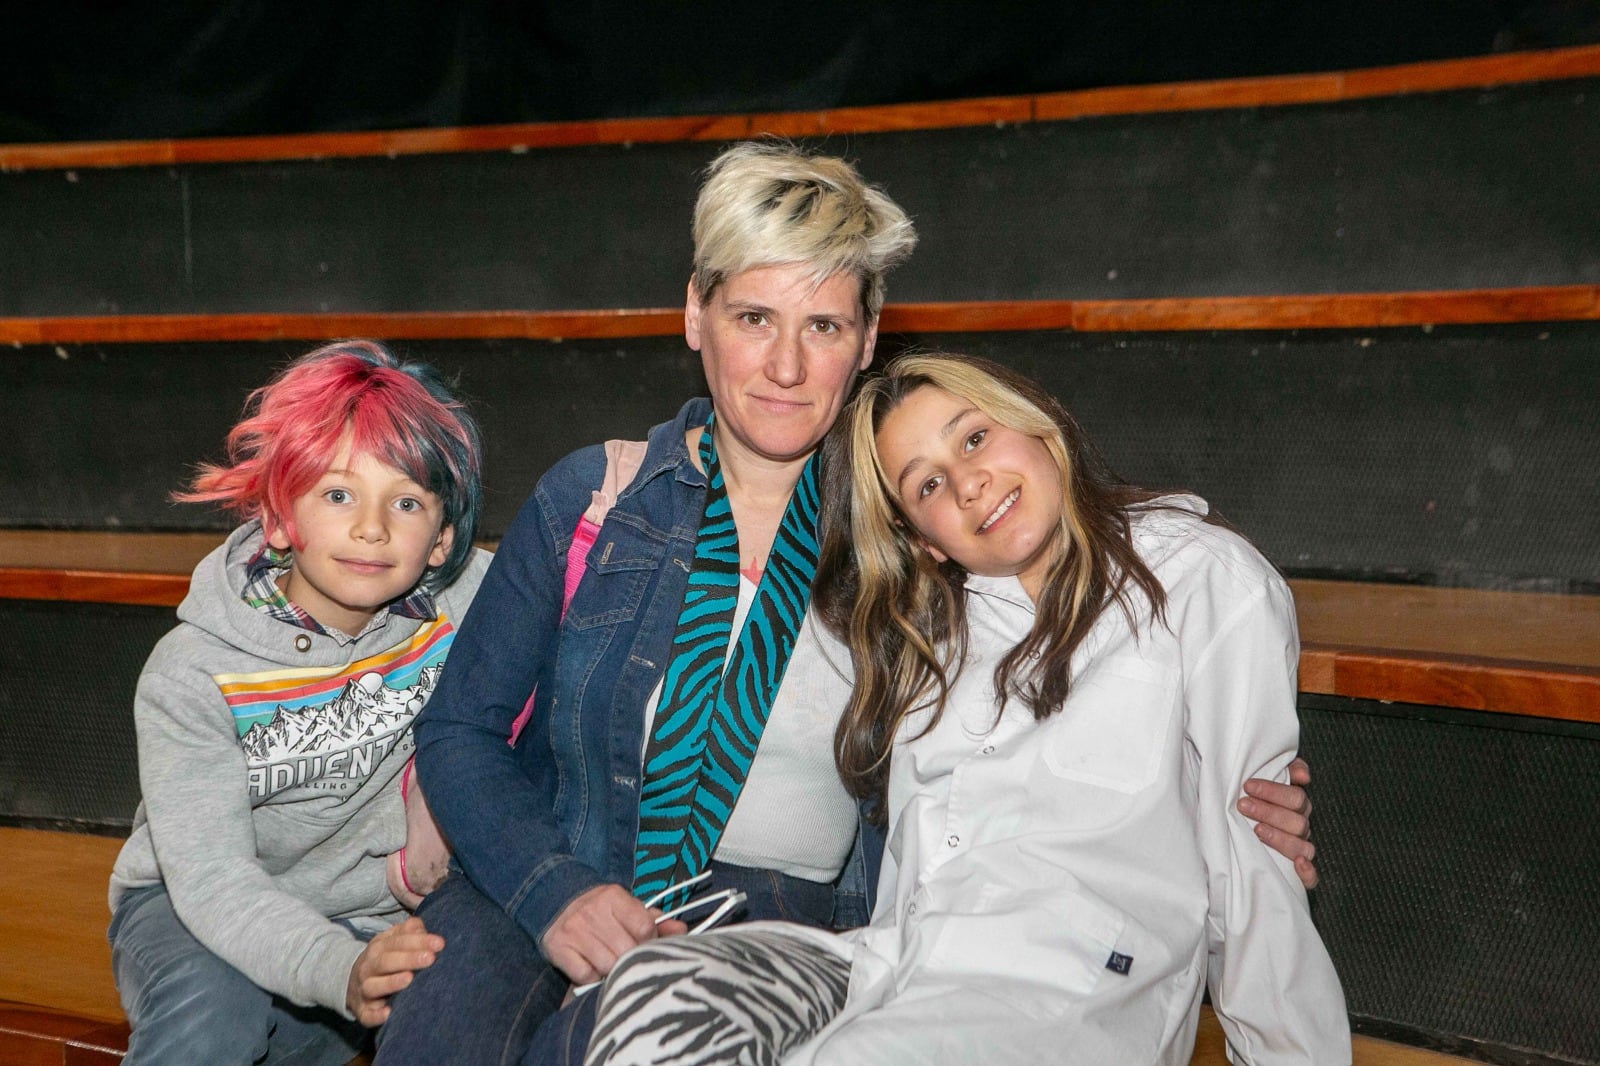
x=337, y=496
x=409, y=504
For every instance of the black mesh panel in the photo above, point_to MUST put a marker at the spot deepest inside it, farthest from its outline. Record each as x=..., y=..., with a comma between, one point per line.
x=1460, y=868
x=67, y=753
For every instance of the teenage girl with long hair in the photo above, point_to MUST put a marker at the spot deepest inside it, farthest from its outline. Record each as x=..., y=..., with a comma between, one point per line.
x=1060, y=681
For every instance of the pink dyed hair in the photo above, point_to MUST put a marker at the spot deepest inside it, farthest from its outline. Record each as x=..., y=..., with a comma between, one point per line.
x=294, y=425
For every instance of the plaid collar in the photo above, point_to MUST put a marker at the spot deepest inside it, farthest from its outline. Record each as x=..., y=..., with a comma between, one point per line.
x=261, y=591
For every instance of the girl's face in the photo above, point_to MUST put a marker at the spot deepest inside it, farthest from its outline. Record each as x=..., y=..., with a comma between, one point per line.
x=975, y=491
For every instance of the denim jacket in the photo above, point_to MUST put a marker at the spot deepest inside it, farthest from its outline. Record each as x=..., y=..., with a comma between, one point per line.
x=536, y=825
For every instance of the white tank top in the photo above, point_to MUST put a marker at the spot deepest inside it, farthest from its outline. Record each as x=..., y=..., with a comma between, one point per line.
x=793, y=813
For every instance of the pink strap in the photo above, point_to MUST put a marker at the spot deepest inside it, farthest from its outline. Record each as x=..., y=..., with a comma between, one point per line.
x=405, y=878
x=623, y=459
x=577, y=561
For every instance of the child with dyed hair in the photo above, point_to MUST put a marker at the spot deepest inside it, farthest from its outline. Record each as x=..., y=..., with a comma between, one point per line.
x=255, y=903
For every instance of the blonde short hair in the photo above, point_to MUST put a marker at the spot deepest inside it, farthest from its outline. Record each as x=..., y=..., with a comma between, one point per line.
x=766, y=203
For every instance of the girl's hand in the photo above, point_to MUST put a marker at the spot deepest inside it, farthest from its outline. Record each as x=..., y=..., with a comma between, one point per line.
x=1283, y=814
x=385, y=967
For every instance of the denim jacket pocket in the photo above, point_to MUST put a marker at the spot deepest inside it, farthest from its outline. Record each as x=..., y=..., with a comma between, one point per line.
x=615, y=578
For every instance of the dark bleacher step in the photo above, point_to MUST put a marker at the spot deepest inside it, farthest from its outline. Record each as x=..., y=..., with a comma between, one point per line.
x=1460, y=455
x=1497, y=192
x=1517, y=653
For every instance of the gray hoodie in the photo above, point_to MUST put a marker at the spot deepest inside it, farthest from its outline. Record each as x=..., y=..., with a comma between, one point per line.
x=269, y=760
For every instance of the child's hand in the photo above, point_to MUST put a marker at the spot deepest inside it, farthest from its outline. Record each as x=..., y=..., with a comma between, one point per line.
x=386, y=966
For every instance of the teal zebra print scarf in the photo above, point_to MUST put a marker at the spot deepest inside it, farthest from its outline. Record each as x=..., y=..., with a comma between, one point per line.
x=710, y=719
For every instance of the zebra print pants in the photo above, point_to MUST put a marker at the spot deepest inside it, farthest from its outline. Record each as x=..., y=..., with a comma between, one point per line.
x=739, y=997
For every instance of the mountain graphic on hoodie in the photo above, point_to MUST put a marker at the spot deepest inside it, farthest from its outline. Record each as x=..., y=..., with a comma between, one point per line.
x=364, y=709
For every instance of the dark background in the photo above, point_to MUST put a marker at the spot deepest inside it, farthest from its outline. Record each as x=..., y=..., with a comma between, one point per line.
x=78, y=70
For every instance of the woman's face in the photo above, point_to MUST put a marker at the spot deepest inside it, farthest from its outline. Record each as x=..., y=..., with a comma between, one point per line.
x=981, y=493
x=779, y=356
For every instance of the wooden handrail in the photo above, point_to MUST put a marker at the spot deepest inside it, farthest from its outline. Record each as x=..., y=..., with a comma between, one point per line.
x=1273, y=91
x=1404, y=673
x=1278, y=90
x=1508, y=686
x=390, y=325
x=93, y=586
x=1556, y=303
x=1345, y=310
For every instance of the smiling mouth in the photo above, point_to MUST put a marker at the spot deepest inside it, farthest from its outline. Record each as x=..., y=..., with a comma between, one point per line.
x=1000, y=512
x=367, y=565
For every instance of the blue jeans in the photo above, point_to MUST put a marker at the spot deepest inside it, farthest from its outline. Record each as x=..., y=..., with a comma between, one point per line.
x=485, y=993
x=491, y=997
x=187, y=1005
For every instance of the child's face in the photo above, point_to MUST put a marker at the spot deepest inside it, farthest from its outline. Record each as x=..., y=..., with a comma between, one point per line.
x=975, y=491
x=369, y=532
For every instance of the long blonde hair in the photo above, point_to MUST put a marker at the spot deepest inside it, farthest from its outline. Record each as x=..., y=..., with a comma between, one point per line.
x=903, y=613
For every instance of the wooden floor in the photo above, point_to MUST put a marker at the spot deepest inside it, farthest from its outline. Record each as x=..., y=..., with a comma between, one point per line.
x=53, y=954
x=53, y=918
x=1209, y=1048
x=1535, y=627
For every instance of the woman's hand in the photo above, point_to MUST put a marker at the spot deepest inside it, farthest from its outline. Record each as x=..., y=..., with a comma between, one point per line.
x=1283, y=814
x=385, y=967
x=593, y=931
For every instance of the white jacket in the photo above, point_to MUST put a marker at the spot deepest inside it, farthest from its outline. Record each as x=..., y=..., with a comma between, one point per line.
x=1061, y=891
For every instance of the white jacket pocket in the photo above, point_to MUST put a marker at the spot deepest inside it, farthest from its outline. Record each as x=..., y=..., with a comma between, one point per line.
x=1041, y=949
x=1112, y=731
